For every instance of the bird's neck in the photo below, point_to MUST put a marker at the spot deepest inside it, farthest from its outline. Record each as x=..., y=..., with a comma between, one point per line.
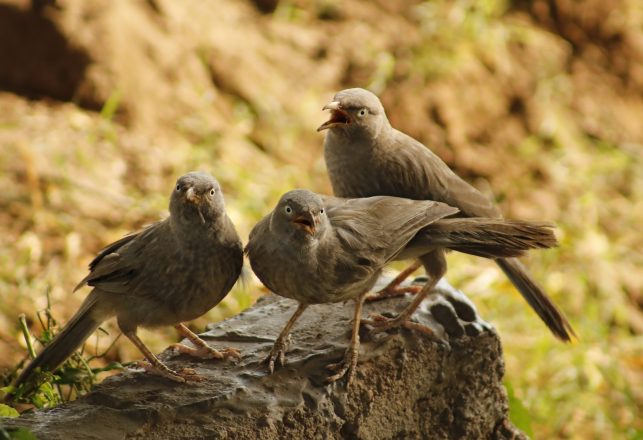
x=360, y=138
x=200, y=234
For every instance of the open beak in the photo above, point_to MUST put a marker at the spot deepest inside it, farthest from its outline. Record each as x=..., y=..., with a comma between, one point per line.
x=306, y=222
x=337, y=116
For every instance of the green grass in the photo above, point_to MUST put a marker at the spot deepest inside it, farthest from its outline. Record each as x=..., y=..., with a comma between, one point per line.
x=71, y=379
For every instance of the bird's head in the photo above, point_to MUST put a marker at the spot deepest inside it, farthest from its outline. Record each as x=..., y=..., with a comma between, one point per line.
x=196, y=199
x=300, y=213
x=355, y=111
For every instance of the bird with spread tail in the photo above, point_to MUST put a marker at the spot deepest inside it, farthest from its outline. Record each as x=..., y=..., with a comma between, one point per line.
x=365, y=156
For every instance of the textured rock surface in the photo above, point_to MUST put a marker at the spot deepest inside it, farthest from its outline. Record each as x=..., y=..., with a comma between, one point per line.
x=407, y=385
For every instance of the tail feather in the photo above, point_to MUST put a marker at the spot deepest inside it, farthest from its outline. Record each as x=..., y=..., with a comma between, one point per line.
x=501, y=240
x=537, y=299
x=487, y=237
x=72, y=336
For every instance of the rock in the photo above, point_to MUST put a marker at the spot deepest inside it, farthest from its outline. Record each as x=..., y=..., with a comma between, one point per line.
x=407, y=385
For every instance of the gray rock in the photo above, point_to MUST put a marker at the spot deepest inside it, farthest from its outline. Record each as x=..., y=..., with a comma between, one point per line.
x=407, y=385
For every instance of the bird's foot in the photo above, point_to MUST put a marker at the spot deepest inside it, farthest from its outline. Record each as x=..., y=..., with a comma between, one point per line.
x=207, y=352
x=392, y=291
x=277, y=353
x=181, y=376
x=382, y=323
x=346, y=367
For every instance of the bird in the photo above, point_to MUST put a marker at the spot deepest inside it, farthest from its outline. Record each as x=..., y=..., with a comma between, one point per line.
x=365, y=156
x=321, y=249
x=170, y=272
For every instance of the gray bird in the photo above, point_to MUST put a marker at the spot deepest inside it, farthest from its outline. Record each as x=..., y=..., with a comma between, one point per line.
x=318, y=249
x=366, y=156
x=172, y=271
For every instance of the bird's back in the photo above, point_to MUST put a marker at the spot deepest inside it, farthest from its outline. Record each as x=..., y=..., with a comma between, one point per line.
x=397, y=165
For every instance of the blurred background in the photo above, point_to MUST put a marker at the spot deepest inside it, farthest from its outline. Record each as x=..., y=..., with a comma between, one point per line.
x=103, y=104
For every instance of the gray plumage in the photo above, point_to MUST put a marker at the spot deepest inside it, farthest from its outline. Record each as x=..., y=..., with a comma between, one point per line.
x=482, y=237
x=172, y=271
x=366, y=156
x=352, y=241
x=317, y=249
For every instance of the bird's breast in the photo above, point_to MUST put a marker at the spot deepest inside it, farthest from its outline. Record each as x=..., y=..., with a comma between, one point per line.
x=351, y=170
x=206, y=280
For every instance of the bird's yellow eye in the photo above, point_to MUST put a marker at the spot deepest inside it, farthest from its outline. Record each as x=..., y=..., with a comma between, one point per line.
x=362, y=112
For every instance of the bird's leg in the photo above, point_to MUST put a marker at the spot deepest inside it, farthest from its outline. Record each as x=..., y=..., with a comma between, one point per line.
x=393, y=288
x=278, y=351
x=348, y=364
x=202, y=349
x=436, y=266
x=382, y=323
x=155, y=366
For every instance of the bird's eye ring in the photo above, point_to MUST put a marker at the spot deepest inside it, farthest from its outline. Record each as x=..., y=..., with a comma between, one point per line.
x=212, y=192
x=178, y=187
x=362, y=112
x=288, y=209
x=321, y=211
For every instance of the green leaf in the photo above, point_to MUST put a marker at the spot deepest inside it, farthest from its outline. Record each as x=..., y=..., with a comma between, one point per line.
x=8, y=411
x=16, y=434
x=6, y=390
x=111, y=106
x=109, y=367
x=518, y=413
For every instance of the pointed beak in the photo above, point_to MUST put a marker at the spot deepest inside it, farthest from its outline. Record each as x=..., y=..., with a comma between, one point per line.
x=337, y=116
x=306, y=222
x=333, y=105
x=191, y=196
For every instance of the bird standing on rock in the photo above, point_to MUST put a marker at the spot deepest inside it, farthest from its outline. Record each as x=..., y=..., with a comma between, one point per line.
x=318, y=249
x=172, y=271
x=365, y=156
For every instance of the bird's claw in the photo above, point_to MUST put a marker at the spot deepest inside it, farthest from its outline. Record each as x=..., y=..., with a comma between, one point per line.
x=335, y=367
x=230, y=353
x=392, y=292
x=344, y=368
x=190, y=374
x=341, y=370
x=277, y=354
x=181, y=376
x=275, y=357
x=395, y=288
x=381, y=323
x=207, y=352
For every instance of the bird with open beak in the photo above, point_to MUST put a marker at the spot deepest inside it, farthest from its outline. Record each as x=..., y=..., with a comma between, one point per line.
x=365, y=156
x=338, y=116
x=317, y=249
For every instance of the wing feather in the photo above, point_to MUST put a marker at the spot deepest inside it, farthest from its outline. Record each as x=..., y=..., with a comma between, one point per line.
x=377, y=228
x=116, y=264
x=422, y=175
